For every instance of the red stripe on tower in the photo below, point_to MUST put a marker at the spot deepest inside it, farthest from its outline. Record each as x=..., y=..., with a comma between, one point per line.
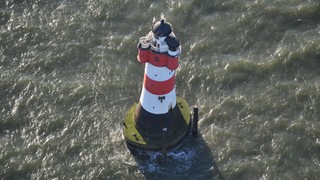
x=159, y=87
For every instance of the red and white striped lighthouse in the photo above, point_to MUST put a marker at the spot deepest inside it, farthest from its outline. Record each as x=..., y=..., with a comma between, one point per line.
x=160, y=118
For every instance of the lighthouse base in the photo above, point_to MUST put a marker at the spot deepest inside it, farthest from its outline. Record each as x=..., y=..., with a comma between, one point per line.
x=136, y=139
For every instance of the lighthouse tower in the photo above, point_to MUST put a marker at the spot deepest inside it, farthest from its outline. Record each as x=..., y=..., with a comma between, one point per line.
x=160, y=119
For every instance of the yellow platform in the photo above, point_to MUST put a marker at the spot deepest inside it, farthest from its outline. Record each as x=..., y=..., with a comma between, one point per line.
x=136, y=140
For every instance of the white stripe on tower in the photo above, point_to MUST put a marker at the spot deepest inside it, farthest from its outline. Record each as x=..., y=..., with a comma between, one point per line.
x=158, y=73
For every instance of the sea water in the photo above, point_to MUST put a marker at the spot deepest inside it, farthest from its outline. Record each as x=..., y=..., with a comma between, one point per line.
x=68, y=74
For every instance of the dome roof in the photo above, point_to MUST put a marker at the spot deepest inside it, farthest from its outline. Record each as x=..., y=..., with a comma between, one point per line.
x=162, y=28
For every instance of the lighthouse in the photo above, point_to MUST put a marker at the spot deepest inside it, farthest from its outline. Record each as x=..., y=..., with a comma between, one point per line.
x=161, y=119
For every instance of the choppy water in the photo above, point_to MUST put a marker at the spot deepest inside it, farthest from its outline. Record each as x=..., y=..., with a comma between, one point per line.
x=69, y=73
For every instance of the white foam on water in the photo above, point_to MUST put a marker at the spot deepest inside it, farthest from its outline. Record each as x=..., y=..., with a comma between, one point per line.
x=176, y=161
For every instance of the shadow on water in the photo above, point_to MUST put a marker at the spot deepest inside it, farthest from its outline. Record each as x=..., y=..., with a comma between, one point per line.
x=192, y=160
